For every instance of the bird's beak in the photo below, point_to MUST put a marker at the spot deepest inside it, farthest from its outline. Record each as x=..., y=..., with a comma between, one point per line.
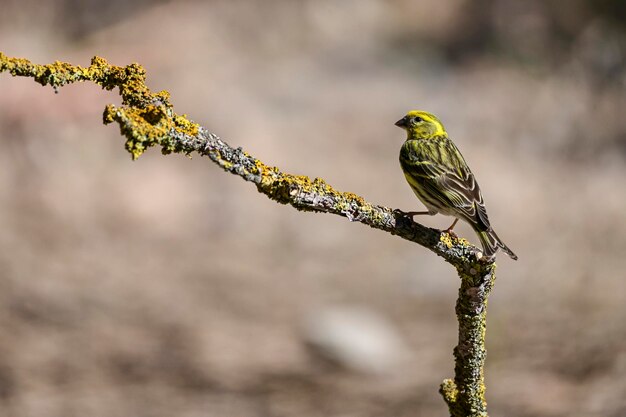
x=401, y=123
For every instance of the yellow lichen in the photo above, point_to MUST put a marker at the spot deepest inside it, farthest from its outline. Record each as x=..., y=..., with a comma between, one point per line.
x=449, y=391
x=182, y=124
x=446, y=239
x=149, y=120
x=353, y=197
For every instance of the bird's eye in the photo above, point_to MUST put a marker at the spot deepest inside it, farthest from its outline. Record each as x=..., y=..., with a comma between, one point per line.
x=417, y=119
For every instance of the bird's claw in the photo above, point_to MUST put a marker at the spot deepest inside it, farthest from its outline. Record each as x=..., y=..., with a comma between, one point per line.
x=404, y=214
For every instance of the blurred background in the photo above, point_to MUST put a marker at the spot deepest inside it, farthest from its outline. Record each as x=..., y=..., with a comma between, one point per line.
x=164, y=287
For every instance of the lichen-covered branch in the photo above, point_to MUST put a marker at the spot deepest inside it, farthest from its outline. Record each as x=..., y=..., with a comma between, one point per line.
x=148, y=119
x=465, y=395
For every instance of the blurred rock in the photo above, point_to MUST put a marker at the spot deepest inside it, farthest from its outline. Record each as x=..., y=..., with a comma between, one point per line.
x=356, y=338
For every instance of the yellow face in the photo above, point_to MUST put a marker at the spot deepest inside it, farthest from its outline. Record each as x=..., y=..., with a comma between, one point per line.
x=421, y=124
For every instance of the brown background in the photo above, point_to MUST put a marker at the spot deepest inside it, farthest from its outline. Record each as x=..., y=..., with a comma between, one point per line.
x=165, y=287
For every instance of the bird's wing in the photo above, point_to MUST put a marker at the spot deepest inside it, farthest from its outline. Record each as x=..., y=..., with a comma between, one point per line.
x=446, y=177
x=464, y=194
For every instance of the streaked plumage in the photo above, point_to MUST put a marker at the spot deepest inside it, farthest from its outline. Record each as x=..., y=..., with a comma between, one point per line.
x=441, y=179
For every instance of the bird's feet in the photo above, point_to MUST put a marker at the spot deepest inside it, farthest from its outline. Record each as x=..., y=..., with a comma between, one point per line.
x=409, y=214
x=449, y=229
x=412, y=214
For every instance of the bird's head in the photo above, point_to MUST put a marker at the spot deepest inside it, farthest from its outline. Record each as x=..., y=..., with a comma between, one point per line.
x=421, y=125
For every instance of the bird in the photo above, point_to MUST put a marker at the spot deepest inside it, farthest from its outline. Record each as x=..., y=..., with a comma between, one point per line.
x=442, y=180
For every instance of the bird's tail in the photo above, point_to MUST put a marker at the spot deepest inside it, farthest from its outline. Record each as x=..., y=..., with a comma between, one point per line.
x=491, y=243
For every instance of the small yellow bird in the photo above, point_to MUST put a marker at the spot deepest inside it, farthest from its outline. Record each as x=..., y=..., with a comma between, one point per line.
x=441, y=179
